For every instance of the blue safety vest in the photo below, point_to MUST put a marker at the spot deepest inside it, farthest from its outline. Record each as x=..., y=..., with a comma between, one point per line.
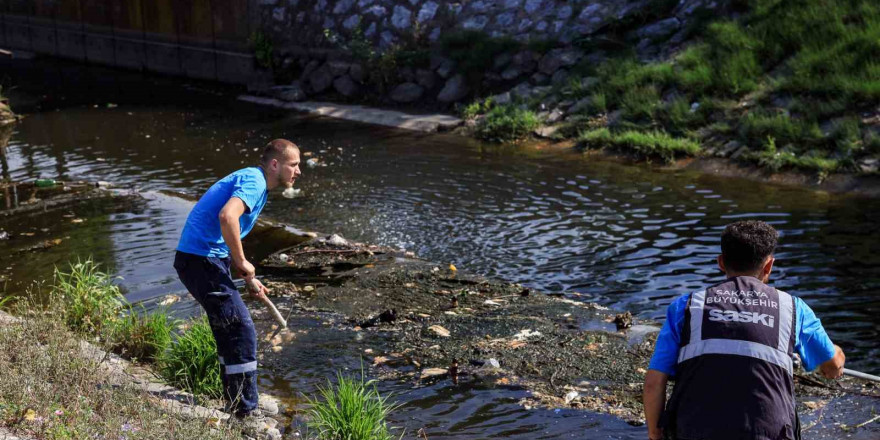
x=734, y=377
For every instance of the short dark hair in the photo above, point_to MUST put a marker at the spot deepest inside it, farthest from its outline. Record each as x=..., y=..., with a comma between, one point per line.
x=746, y=244
x=275, y=149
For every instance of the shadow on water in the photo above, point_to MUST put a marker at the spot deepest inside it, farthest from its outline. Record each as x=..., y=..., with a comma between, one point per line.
x=629, y=236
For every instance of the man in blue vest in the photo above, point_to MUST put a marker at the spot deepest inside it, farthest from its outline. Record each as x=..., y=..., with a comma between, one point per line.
x=730, y=349
x=210, y=246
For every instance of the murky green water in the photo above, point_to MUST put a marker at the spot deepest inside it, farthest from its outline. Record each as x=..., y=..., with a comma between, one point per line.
x=633, y=237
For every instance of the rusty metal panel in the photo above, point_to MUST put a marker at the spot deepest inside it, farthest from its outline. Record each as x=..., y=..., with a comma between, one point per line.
x=17, y=24
x=98, y=27
x=161, y=51
x=128, y=30
x=69, y=10
x=231, y=29
x=42, y=23
x=195, y=19
x=45, y=8
x=3, y=6
x=196, y=37
x=68, y=30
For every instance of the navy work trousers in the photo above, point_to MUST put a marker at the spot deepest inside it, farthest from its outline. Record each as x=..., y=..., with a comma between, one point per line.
x=209, y=281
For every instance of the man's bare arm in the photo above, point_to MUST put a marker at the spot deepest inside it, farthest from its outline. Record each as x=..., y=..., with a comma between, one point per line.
x=231, y=230
x=833, y=368
x=654, y=398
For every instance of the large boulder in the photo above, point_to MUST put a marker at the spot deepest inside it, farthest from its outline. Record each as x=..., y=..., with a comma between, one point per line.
x=309, y=68
x=345, y=86
x=338, y=67
x=426, y=78
x=321, y=79
x=455, y=89
x=445, y=68
x=407, y=92
x=356, y=71
x=556, y=58
x=659, y=29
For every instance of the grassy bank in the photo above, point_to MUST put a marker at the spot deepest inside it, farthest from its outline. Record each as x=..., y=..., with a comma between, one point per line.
x=785, y=86
x=50, y=390
x=93, y=308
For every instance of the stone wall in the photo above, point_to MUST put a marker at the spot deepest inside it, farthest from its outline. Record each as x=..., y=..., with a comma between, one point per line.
x=299, y=30
x=301, y=22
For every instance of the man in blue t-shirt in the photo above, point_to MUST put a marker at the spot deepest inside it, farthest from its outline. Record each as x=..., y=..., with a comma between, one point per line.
x=730, y=350
x=210, y=246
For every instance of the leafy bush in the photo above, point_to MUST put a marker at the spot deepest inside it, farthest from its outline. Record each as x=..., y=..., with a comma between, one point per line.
x=645, y=144
x=192, y=363
x=263, y=49
x=507, y=123
x=92, y=302
x=476, y=108
x=352, y=410
x=143, y=336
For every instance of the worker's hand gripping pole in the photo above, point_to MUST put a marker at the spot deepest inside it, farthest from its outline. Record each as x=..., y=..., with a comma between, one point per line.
x=254, y=288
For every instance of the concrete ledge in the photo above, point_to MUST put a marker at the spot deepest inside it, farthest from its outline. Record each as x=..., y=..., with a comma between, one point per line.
x=368, y=115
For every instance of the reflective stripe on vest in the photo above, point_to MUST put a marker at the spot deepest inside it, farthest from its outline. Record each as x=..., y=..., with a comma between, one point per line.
x=778, y=355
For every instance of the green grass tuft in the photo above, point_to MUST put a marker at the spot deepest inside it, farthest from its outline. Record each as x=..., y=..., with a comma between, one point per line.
x=644, y=144
x=143, y=336
x=507, y=123
x=476, y=108
x=776, y=160
x=756, y=127
x=192, y=363
x=352, y=410
x=92, y=302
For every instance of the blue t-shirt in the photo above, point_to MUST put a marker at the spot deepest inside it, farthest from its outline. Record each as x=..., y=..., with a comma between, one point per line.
x=810, y=341
x=201, y=234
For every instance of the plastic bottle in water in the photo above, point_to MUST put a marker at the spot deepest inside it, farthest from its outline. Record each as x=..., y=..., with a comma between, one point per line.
x=45, y=183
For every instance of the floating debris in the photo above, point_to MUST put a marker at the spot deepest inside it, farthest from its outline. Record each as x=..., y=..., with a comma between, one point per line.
x=291, y=193
x=440, y=331
x=169, y=299
x=336, y=240
x=433, y=372
x=526, y=334
x=623, y=320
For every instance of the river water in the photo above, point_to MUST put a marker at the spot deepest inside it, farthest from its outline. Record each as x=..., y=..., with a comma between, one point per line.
x=631, y=236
